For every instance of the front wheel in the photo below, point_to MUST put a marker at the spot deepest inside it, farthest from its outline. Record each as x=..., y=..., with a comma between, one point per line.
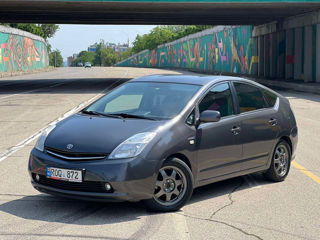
x=173, y=188
x=280, y=164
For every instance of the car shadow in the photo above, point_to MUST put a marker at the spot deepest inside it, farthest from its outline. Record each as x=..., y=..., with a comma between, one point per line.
x=228, y=186
x=57, y=86
x=43, y=207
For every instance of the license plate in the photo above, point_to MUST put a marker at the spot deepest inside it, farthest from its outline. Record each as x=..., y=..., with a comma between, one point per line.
x=64, y=174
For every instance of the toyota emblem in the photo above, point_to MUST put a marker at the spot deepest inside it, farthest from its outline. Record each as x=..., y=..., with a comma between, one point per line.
x=69, y=146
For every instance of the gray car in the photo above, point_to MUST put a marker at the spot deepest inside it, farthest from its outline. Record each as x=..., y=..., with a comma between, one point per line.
x=158, y=137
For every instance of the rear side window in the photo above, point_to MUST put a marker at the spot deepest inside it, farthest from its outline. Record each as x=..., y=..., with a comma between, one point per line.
x=250, y=98
x=270, y=97
x=219, y=98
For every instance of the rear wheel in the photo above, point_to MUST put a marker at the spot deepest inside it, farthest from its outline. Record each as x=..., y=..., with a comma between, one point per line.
x=173, y=188
x=280, y=164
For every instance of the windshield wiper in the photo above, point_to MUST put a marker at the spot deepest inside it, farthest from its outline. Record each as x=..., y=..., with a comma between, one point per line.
x=90, y=112
x=117, y=115
x=127, y=115
x=101, y=114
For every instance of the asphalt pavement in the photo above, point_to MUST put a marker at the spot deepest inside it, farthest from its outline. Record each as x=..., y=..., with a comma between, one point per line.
x=246, y=207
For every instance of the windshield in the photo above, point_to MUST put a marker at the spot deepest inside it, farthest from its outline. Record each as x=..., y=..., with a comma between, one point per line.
x=147, y=99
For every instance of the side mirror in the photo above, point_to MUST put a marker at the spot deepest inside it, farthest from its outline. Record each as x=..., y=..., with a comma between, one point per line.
x=210, y=116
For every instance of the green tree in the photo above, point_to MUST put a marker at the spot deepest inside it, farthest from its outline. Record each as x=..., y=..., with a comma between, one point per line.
x=109, y=57
x=126, y=54
x=157, y=36
x=49, y=30
x=43, y=30
x=139, y=44
x=97, y=58
x=55, y=58
x=84, y=57
x=190, y=30
x=164, y=34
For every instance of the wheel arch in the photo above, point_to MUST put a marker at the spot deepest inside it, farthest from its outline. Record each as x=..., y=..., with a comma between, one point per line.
x=288, y=140
x=182, y=157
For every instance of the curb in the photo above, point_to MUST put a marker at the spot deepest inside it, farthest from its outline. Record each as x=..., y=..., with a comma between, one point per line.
x=20, y=73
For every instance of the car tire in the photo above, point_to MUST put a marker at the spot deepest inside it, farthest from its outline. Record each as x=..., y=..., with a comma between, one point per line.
x=174, y=187
x=280, y=164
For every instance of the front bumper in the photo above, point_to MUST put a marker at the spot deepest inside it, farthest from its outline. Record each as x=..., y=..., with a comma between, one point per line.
x=131, y=179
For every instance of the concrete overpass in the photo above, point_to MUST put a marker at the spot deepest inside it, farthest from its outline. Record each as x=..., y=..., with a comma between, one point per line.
x=230, y=12
x=282, y=41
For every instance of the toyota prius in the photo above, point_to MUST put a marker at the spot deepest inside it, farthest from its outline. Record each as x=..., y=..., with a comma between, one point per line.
x=158, y=137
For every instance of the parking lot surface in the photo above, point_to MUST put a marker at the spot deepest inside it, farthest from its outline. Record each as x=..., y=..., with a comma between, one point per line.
x=246, y=207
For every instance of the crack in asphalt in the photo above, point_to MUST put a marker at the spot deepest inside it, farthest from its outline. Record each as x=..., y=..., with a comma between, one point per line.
x=230, y=199
x=224, y=223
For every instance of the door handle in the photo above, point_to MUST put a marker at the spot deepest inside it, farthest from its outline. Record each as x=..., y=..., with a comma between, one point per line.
x=273, y=121
x=236, y=130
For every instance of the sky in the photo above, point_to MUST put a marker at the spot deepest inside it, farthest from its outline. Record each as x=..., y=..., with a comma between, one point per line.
x=70, y=39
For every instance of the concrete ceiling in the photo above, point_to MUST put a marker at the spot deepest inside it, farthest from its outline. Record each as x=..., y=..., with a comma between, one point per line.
x=209, y=12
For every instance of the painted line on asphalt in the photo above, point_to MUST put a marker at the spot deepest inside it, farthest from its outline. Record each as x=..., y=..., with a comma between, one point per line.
x=306, y=172
x=25, y=142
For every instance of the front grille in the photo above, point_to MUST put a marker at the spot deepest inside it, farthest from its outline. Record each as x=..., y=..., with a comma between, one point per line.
x=75, y=156
x=73, y=186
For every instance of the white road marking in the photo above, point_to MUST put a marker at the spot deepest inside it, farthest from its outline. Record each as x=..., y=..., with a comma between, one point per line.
x=7, y=153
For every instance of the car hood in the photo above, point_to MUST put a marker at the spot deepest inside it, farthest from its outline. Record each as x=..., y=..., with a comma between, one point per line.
x=96, y=134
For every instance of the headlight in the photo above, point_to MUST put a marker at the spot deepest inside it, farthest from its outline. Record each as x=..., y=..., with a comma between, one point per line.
x=40, y=143
x=133, y=146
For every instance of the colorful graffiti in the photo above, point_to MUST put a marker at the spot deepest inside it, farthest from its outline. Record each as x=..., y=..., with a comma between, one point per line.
x=230, y=50
x=20, y=53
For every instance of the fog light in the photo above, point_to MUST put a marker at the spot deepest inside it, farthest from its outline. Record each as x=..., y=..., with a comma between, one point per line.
x=108, y=186
x=37, y=177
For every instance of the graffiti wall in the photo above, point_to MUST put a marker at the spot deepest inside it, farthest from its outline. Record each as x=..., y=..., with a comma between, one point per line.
x=229, y=49
x=21, y=53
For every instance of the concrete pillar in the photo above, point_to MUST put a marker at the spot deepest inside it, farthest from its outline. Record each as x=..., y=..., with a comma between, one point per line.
x=289, y=54
x=307, y=71
x=318, y=54
x=255, y=60
x=266, y=40
x=261, y=56
x=273, y=55
x=281, y=50
x=298, y=53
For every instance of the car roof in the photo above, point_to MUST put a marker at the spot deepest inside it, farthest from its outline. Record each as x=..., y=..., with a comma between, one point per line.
x=185, y=79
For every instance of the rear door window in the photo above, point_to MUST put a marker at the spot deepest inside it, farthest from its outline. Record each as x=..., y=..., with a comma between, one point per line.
x=270, y=97
x=250, y=98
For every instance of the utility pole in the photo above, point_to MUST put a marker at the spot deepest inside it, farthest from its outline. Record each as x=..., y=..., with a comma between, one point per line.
x=55, y=59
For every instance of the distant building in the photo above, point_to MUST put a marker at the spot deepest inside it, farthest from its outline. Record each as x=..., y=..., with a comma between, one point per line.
x=70, y=60
x=115, y=47
x=93, y=48
x=121, y=47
